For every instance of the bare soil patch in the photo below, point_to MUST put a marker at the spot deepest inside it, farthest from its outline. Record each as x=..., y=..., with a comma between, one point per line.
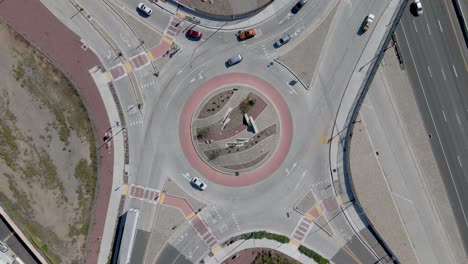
x=47, y=156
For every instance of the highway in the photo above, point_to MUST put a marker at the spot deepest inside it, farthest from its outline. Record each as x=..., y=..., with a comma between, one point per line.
x=435, y=56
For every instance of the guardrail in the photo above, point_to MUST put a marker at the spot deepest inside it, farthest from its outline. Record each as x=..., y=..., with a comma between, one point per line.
x=389, y=256
x=461, y=19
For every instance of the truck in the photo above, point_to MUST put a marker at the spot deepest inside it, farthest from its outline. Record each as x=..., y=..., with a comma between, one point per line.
x=369, y=19
x=246, y=34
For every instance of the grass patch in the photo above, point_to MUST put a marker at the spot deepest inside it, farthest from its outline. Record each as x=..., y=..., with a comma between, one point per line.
x=18, y=71
x=259, y=235
x=8, y=146
x=85, y=173
x=313, y=255
x=48, y=170
x=268, y=257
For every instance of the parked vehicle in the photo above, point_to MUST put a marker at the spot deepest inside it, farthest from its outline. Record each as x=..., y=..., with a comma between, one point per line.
x=246, y=34
x=285, y=39
x=198, y=183
x=145, y=9
x=418, y=5
x=369, y=19
x=193, y=34
x=234, y=60
x=298, y=6
x=3, y=247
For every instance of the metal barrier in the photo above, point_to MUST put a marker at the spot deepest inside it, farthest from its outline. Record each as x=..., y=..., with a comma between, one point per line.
x=346, y=141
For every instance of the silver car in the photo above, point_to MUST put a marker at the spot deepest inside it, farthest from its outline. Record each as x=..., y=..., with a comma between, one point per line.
x=282, y=41
x=234, y=60
x=3, y=247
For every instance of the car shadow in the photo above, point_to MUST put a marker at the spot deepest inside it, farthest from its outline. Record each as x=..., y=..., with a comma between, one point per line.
x=361, y=30
x=413, y=9
x=195, y=186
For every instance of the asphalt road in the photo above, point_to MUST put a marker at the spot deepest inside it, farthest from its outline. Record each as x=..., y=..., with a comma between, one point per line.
x=435, y=56
x=155, y=151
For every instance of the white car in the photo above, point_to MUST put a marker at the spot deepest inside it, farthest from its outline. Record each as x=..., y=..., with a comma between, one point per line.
x=197, y=182
x=419, y=9
x=143, y=8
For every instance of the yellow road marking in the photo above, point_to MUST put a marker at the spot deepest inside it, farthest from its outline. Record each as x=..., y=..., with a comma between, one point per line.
x=125, y=189
x=180, y=14
x=351, y=254
x=455, y=33
x=168, y=41
x=340, y=199
x=128, y=66
x=294, y=243
x=319, y=208
x=216, y=249
x=8, y=237
x=161, y=200
x=150, y=55
x=108, y=76
x=191, y=215
x=311, y=217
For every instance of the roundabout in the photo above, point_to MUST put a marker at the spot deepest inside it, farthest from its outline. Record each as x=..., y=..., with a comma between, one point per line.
x=235, y=129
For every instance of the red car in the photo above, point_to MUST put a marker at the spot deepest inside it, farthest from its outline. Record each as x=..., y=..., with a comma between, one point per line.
x=194, y=34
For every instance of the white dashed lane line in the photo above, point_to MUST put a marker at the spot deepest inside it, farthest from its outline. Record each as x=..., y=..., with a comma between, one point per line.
x=454, y=70
x=440, y=26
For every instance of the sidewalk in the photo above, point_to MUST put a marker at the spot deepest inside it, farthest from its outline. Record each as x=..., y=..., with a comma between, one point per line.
x=117, y=189
x=255, y=19
x=288, y=249
x=342, y=179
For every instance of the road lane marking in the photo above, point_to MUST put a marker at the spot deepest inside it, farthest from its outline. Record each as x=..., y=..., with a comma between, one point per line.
x=161, y=199
x=429, y=69
x=351, y=254
x=458, y=119
x=440, y=26
x=459, y=161
x=455, y=33
x=444, y=115
x=454, y=70
x=415, y=28
x=435, y=125
x=443, y=73
x=428, y=29
x=401, y=197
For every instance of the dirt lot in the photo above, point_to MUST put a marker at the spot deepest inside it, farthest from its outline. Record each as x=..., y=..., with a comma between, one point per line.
x=47, y=164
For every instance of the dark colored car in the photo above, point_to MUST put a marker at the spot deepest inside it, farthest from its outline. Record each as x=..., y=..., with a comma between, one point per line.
x=193, y=34
x=298, y=6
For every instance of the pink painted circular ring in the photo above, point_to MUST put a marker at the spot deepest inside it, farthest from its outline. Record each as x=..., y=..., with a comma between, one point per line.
x=281, y=150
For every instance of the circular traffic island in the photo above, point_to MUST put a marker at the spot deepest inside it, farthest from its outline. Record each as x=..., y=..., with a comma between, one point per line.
x=236, y=129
